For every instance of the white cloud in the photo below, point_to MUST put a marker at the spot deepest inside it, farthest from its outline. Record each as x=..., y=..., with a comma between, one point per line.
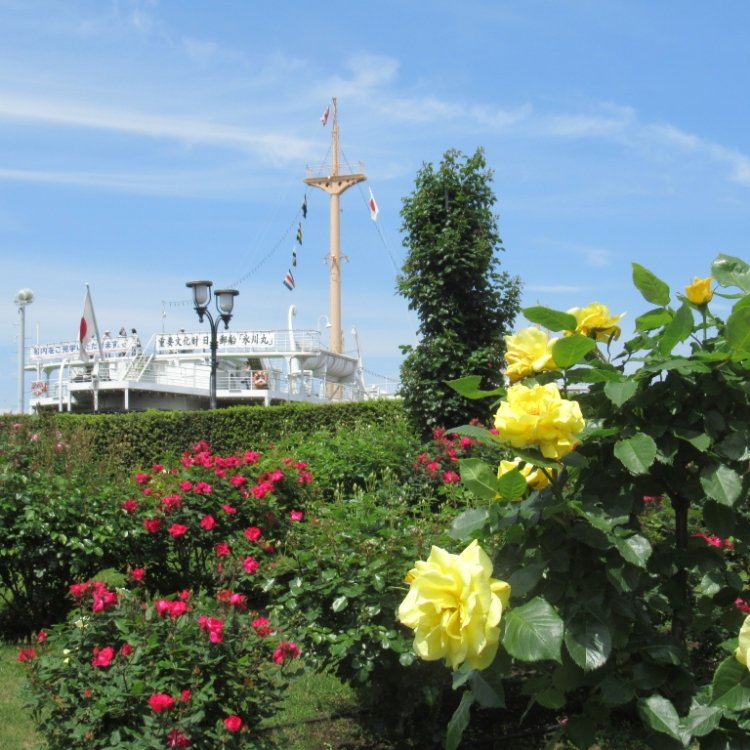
x=269, y=144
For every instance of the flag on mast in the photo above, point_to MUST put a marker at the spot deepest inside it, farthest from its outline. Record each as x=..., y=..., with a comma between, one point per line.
x=289, y=281
x=88, y=328
x=373, y=207
x=324, y=116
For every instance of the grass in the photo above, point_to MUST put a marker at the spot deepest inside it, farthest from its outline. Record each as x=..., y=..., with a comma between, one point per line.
x=319, y=714
x=16, y=728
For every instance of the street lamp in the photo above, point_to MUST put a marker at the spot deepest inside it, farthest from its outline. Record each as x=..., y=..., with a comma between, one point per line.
x=23, y=297
x=224, y=304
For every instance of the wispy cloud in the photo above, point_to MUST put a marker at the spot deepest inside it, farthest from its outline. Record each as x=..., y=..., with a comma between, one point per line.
x=273, y=145
x=178, y=184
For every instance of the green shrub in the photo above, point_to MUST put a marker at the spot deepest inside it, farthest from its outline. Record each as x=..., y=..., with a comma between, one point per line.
x=625, y=544
x=57, y=520
x=340, y=583
x=129, y=673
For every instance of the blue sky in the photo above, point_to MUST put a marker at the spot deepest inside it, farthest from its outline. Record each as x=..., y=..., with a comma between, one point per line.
x=144, y=143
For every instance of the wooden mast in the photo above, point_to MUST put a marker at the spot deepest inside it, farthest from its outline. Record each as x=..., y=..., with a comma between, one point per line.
x=334, y=184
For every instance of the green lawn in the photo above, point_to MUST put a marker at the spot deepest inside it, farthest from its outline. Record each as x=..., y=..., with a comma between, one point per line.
x=16, y=729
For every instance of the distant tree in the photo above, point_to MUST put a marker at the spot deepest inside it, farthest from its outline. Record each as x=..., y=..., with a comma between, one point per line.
x=465, y=305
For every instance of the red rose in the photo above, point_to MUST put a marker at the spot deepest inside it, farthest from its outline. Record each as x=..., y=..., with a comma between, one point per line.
x=26, y=654
x=138, y=574
x=253, y=533
x=177, y=530
x=152, y=525
x=233, y=723
x=161, y=702
x=208, y=522
x=103, y=656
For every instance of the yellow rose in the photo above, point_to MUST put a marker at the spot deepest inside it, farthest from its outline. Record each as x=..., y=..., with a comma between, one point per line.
x=454, y=607
x=699, y=292
x=539, y=417
x=535, y=478
x=742, y=653
x=596, y=321
x=527, y=352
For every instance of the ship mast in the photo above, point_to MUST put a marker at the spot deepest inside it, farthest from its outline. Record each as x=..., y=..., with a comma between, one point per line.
x=335, y=183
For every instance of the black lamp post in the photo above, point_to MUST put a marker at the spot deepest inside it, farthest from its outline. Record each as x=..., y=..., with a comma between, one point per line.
x=224, y=304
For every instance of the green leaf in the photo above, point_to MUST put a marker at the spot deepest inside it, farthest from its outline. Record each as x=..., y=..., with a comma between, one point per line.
x=731, y=271
x=699, y=440
x=512, y=485
x=468, y=522
x=552, y=320
x=489, y=693
x=721, y=483
x=468, y=387
x=589, y=642
x=653, y=319
x=619, y=392
x=635, y=549
x=478, y=433
x=533, y=632
x=479, y=478
x=652, y=288
x=680, y=327
x=738, y=330
x=524, y=578
x=459, y=721
x=570, y=350
x=701, y=720
x=339, y=603
x=731, y=686
x=636, y=453
x=661, y=716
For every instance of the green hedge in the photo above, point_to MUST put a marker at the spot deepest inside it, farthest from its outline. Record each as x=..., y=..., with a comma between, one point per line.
x=137, y=439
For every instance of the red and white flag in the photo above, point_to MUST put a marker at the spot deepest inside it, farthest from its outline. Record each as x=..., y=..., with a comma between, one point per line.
x=373, y=207
x=88, y=328
x=324, y=116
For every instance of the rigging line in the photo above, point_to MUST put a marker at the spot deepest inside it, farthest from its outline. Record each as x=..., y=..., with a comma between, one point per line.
x=378, y=375
x=268, y=255
x=378, y=229
x=272, y=220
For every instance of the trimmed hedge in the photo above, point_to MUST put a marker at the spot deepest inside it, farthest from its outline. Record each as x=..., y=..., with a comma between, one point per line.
x=135, y=439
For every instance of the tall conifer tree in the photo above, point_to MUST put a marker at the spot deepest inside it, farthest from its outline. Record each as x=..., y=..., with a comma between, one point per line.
x=451, y=278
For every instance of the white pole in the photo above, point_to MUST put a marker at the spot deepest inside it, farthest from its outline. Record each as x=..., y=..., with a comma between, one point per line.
x=23, y=298
x=21, y=337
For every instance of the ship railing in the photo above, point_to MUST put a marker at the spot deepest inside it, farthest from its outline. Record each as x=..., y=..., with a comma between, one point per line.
x=326, y=170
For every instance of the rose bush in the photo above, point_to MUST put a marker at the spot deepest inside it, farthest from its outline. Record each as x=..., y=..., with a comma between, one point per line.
x=129, y=672
x=622, y=603
x=212, y=521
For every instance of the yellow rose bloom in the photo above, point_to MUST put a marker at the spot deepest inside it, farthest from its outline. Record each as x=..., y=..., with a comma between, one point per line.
x=700, y=292
x=742, y=653
x=596, y=320
x=454, y=607
x=535, y=478
x=539, y=417
x=527, y=352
